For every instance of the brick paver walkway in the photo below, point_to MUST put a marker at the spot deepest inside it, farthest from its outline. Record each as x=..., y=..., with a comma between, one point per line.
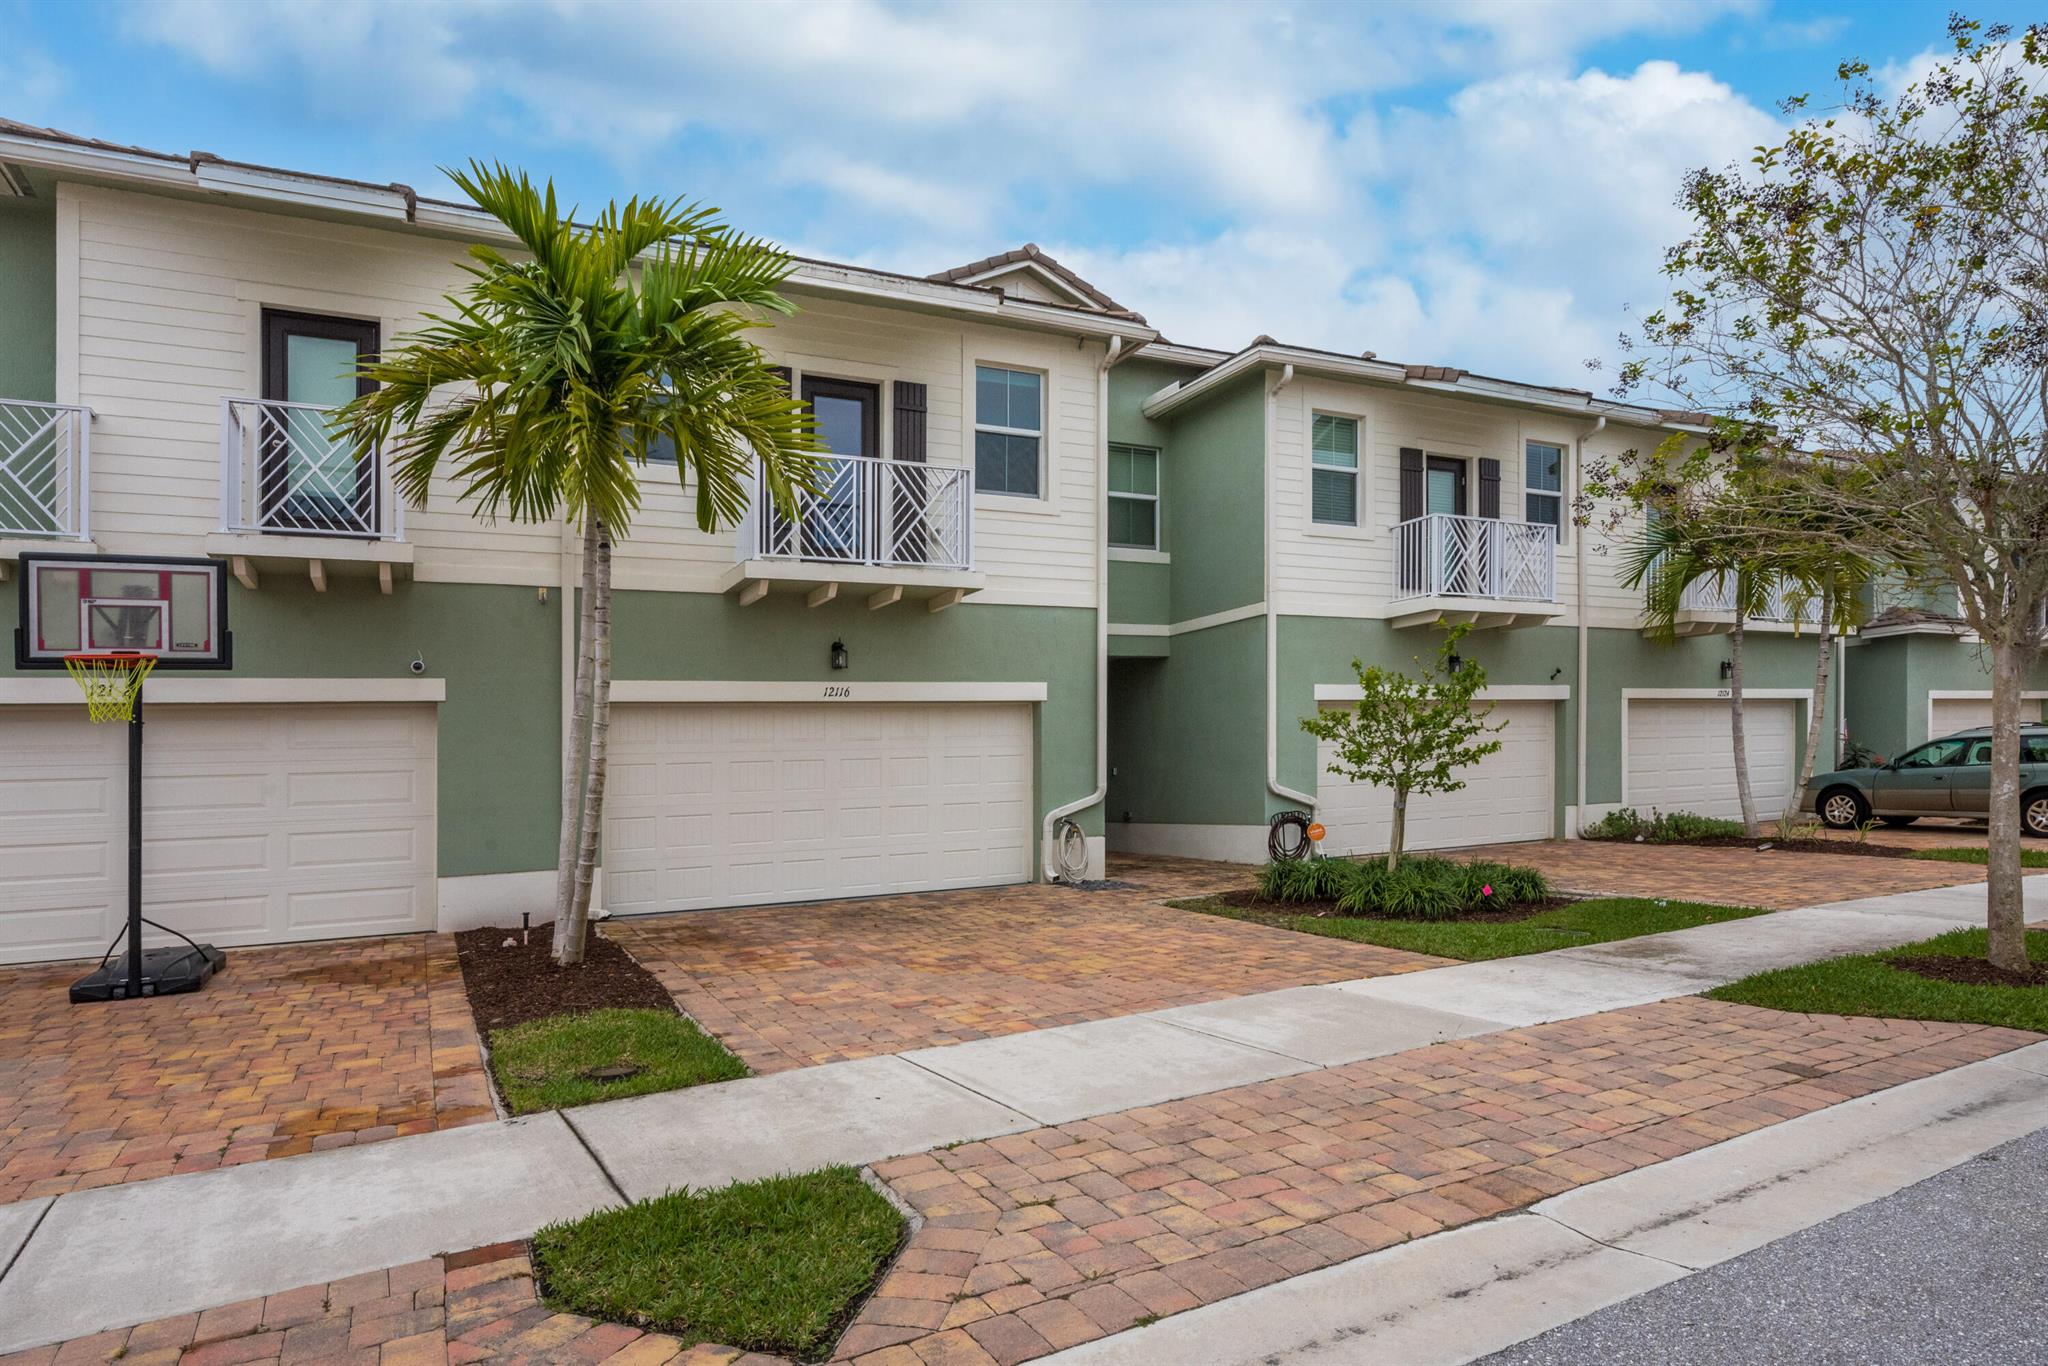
x=1728, y=877
x=289, y=1050
x=1037, y=1241
x=792, y=986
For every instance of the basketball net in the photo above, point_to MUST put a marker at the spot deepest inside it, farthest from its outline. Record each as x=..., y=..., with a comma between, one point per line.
x=111, y=682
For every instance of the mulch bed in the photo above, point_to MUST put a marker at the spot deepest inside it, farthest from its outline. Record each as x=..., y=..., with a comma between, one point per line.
x=1970, y=972
x=1793, y=846
x=510, y=985
x=1248, y=899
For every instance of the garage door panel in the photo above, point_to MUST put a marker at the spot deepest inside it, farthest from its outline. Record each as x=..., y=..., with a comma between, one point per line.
x=1509, y=795
x=1951, y=714
x=1681, y=755
x=803, y=801
x=261, y=824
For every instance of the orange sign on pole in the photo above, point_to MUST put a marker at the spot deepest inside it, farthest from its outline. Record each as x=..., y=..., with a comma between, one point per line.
x=1316, y=832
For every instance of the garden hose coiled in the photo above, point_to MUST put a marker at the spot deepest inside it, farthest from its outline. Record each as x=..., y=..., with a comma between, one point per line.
x=1287, y=837
x=1069, y=850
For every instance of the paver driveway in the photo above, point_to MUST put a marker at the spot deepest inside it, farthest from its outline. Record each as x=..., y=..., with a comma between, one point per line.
x=1728, y=877
x=792, y=986
x=292, y=1048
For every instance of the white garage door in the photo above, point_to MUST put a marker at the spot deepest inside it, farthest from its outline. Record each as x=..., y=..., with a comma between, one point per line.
x=1681, y=756
x=739, y=804
x=260, y=824
x=1950, y=714
x=1509, y=795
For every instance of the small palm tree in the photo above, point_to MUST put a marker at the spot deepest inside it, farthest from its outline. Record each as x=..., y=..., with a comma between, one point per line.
x=548, y=384
x=1668, y=558
x=1836, y=580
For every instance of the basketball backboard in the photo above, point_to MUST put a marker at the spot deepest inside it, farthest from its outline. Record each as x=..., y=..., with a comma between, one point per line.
x=173, y=609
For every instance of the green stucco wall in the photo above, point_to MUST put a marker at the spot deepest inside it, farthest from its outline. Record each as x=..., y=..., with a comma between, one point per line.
x=1890, y=677
x=1216, y=491
x=28, y=299
x=1140, y=593
x=1187, y=741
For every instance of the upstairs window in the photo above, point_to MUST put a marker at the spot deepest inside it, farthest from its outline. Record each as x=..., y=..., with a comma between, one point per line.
x=1333, y=472
x=1543, y=485
x=1009, y=429
x=1133, y=497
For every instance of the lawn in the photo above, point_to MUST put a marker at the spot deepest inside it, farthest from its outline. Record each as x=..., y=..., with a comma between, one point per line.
x=1595, y=921
x=770, y=1266
x=1868, y=984
x=2029, y=858
x=563, y=1060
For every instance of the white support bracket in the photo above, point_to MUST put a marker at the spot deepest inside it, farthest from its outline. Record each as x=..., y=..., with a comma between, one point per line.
x=384, y=578
x=245, y=572
x=888, y=597
x=317, y=569
x=755, y=590
x=939, y=602
x=822, y=594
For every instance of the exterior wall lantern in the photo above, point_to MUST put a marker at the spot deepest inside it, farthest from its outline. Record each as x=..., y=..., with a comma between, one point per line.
x=838, y=654
x=1727, y=669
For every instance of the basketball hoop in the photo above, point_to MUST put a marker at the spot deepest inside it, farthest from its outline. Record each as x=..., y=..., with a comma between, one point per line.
x=111, y=682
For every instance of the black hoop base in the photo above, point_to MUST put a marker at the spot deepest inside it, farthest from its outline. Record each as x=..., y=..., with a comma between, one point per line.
x=167, y=971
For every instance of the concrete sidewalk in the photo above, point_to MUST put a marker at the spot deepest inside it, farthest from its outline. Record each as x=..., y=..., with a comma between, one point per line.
x=125, y=1254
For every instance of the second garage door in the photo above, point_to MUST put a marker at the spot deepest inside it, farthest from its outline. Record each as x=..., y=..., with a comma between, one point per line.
x=741, y=804
x=1947, y=715
x=260, y=824
x=1509, y=795
x=1681, y=756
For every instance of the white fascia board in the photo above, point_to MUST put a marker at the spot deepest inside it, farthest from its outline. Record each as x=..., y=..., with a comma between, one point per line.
x=1980, y=694
x=1716, y=694
x=1178, y=354
x=181, y=689
x=1504, y=692
x=641, y=690
x=1030, y=267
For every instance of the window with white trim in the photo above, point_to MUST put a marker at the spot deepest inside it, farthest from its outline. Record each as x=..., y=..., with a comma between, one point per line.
x=1333, y=470
x=1543, y=484
x=1133, y=497
x=1009, y=430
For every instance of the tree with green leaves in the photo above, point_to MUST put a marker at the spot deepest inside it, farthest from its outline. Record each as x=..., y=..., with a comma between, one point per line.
x=1872, y=293
x=545, y=388
x=1411, y=735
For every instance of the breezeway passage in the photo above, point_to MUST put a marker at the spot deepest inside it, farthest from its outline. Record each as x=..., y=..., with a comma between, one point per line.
x=744, y=803
x=262, y=824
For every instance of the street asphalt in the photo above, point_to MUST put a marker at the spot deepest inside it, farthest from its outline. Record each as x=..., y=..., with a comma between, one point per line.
x=1953, y=1270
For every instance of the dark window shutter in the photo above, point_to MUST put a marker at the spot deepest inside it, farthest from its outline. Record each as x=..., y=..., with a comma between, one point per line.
x=1411, y=483
x=910, y=411
x=1489, y=488
x=783, y=373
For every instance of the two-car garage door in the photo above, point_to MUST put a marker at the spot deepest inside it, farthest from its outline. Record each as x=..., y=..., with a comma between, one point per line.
x=732, y=804
x=260, y=823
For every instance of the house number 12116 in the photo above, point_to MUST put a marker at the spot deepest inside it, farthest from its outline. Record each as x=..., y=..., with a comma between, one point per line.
x=838, y=690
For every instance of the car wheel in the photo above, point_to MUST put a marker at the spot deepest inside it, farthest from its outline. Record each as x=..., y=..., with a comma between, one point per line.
x=1898, y=820
x=2034, y=814
x=1843, y=808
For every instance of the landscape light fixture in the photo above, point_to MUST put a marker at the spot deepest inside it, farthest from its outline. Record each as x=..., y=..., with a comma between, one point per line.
x=838, y=654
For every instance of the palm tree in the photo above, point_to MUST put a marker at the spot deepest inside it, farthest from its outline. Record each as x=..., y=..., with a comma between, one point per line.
x=1835, y=579
x=1668, y=558
x=548, y=384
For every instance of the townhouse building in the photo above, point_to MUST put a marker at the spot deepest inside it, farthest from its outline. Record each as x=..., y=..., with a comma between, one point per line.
x=1060, y=568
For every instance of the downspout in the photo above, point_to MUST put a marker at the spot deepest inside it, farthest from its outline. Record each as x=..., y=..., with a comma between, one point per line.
x=1109, y=358
x=1579, y=611
x=1301, y=799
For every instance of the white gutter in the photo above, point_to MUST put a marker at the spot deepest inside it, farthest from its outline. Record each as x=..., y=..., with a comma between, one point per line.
x=1302, y=799
x=1579, y=610
x=1109, y=358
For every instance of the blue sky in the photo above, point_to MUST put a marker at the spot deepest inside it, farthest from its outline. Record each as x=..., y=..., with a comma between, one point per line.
x=1481, y=183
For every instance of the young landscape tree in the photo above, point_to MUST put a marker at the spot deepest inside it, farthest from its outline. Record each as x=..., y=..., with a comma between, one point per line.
x=556, y=373
x=1410, y=735
x=1872, y=293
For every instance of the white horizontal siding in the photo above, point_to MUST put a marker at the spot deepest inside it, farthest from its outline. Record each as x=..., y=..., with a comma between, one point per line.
x=160, y=318
x=1318, y=570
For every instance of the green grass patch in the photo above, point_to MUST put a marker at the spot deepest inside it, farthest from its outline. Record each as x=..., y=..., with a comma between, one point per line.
x=1595, y=921
x=1867, y=984
x=545, y=1064
x=2029, y=858
x=770, y=1266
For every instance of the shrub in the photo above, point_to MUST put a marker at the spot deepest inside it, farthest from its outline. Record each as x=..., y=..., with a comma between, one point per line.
x=1419, y=888
x=1310, y=879
x=1661, y=827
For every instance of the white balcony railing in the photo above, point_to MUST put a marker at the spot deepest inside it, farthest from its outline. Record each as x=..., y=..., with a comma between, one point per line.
x=1717, y=596
x=873, y=512
x=285, y=470
x=1450, y=556
x=45, y=469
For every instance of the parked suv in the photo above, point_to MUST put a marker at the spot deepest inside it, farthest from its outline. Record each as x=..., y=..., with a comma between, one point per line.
x=1946, y=777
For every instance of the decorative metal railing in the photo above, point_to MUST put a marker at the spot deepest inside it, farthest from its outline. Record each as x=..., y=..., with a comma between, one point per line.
x=45, y=470
x=1446, y=555
x=285, y=469
x=877, y=512
x=1717, y=595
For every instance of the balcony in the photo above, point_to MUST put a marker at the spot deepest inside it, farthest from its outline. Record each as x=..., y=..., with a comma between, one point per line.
x=1707, y=607
x=296, y=493
x=1477, y=571
x=45, y=469
x=887, y=528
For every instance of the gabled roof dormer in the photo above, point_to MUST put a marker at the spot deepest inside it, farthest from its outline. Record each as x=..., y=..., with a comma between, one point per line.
x=1028, y=273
